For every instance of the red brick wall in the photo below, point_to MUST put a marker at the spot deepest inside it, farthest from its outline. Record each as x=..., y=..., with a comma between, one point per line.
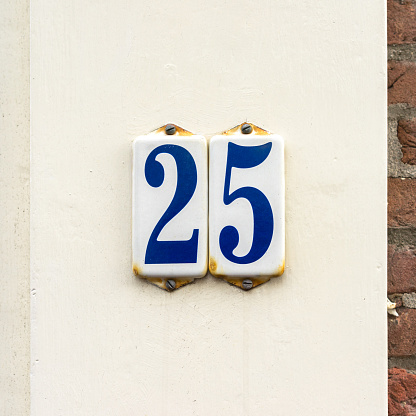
x=401, y=23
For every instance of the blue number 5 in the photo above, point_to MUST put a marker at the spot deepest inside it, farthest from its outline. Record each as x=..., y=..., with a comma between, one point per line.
x=183, y=251
x=244, y=157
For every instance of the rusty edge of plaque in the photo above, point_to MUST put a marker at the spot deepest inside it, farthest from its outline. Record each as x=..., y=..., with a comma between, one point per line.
x=161, y=282
x=238, y=281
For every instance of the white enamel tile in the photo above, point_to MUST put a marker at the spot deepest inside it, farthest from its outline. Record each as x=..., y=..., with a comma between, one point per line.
x=254, y=195
x=170, y=206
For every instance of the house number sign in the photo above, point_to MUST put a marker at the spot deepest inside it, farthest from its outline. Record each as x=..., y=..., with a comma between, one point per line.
x=246, y=206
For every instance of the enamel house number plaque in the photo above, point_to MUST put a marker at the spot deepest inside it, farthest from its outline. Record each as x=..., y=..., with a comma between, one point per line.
x=170, y=207
x=246, y=206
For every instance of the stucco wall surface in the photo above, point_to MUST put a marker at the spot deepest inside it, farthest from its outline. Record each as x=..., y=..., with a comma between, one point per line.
x=104, y=342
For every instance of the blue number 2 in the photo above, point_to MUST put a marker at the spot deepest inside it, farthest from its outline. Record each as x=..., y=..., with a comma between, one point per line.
x=165, y=252
x=244, y=157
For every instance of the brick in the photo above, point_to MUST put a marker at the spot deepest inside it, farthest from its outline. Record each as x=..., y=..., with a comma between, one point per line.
x=402, y=392
x=401, y=21
x=402, y=202
x=402, y=82
x=402, y=333
x=401, y=270
x=406, y=133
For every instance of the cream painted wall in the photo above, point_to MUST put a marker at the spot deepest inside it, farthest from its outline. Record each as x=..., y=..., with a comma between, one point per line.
x=14, y=208
x=312, y=342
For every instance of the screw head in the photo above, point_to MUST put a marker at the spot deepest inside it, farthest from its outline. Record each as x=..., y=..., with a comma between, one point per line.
x=170, y=284
x=246, y=128
x=170, y=129
x=247, y=284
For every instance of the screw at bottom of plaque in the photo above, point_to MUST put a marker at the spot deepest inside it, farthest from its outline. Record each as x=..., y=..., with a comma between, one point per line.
x=247, y=284
x=170, y=284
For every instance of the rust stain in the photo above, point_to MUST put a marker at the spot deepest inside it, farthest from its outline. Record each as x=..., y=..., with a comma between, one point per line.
x=239, y=281
x=237, y=130
x=161, y=283
x=259, y=130
x=235, y=281
x=233, y=130
x=212, y=265
x=179, y=130
x=179, y=283
x=182, y=132
x=136, y=269
x=280, y=269
x=156, y=281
